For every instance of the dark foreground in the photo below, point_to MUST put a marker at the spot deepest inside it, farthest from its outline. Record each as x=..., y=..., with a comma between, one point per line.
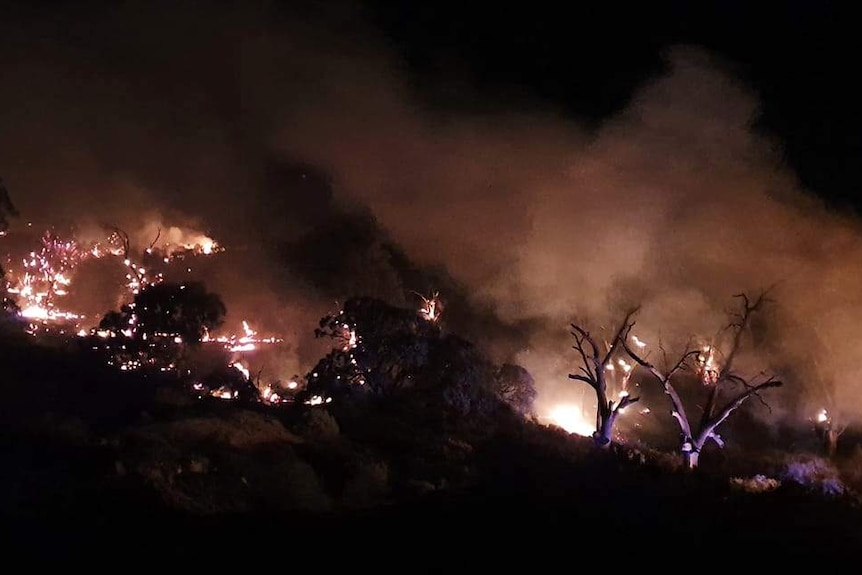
x=506, y=523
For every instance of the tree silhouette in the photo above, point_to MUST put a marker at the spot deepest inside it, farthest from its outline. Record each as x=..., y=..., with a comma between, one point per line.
x=176, y=310
x=726, y=388
x=385, y=351
x=7, y=208
x=159, y=325
x=516, y=387
x=593, y=371
x=7, y=211
x=378, y=349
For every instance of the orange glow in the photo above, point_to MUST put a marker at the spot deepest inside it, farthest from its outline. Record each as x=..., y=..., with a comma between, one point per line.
x=571, y=418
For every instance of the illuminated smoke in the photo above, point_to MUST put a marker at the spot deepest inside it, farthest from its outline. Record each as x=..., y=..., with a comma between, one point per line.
x=300, y=136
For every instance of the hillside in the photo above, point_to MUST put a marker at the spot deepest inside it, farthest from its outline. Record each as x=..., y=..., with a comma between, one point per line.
x=142, y=469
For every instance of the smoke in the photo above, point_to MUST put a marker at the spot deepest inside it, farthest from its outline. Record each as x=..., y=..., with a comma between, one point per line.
x=298, y=141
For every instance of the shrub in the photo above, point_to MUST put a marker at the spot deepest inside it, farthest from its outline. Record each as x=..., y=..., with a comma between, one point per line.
x=814, y=473
x=318, y=423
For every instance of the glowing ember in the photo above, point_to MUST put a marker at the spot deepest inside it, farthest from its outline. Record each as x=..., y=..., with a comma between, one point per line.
x=46, y=275
x=318, y=400
x=249, y=341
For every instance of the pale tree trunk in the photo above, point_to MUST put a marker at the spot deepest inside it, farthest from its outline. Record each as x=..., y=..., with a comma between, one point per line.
x=691, y=448
x=831, y=441
x=592, y=372
x=605, y=429
x=690, y=459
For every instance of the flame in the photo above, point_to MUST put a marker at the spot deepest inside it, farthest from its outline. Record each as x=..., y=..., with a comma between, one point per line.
x=571, y=418
x=242, y=369
x=318, y=400
x=45, y=276
x=431, y=307
x=708, y=367
x=249, y=341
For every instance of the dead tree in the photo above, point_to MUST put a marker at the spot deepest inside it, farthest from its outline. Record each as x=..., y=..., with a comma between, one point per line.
x=719, y=381
x=120, y=234
x=7, y=208
x=593, y=373
x=7, y=211
x=830, y=426
x=153, y=243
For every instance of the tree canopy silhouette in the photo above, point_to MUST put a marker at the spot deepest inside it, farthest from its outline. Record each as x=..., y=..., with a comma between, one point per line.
x=385, y=351
x=170, y=310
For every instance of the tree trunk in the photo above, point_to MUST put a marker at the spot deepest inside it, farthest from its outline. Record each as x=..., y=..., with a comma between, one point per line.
x=691, y=452
x=690, y=459
x=604, y=435
x=831, y=442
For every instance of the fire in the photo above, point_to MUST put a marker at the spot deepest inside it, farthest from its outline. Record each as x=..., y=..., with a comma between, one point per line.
x=242, y=369
x=351, y=340
x=571, y=418
x=708, y=367
x=431, y=307
x=45, y=276
x=249, y=341
x=823, y=416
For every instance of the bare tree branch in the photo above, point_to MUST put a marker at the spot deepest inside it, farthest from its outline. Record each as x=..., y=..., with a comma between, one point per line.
x=587, y=357
x=592, y=372
x=665, y=380
x=740, y=399
x=124, y=238
x=622, y=334
x=153, y=243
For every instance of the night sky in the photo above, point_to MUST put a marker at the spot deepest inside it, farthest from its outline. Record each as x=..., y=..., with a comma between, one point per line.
x=537, y=164
x=589, y=59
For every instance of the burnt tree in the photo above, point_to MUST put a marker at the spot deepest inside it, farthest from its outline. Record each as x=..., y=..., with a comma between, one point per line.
x=7, y=208
x=726, y=389
x=7, y=211
x=592, y=371
x=829, y=426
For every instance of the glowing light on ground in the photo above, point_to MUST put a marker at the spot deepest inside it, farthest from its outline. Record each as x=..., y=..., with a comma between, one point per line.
x=571, y=418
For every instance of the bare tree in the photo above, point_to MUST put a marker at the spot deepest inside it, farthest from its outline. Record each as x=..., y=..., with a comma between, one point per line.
x=7, y=211
x=593, y=372
x=121, y=235
x=830, y=423
x=726, y=389
x=7, y=208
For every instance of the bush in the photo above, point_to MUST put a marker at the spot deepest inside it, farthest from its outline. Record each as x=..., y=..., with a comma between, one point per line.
x=814, y=473
x=758, y=484
x=317, y=423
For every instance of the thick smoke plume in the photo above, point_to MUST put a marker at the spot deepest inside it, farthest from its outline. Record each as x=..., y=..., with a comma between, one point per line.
x=300, y=143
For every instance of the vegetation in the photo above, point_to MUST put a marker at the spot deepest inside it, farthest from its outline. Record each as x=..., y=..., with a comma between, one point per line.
x=160, y=327
x=400, y=433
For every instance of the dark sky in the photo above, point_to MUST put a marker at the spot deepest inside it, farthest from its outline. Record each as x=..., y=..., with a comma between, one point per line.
x=799, y=56
x=536, y=162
